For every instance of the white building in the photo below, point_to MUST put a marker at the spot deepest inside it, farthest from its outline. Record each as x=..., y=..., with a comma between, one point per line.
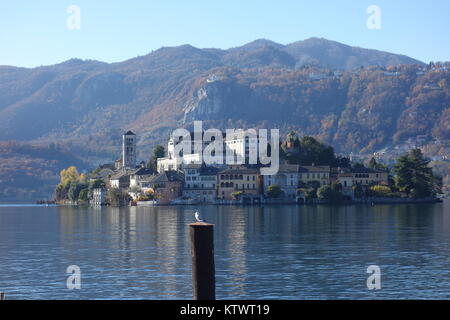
x=98, y=197
x=240, y=147
x=287, y=179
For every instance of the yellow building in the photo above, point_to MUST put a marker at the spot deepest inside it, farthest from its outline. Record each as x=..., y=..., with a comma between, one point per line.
x=238, y=178
x=367, y=176
x=320, y=174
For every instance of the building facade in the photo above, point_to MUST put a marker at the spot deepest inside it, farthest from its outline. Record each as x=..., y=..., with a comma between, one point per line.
x=368, y=176
x=238, y=178
x=167, y=186
x=98, y=197
x=200, y=182
x=287, y=179
x=310, y=174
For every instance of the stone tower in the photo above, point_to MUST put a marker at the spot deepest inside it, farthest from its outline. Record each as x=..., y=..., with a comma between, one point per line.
x=129, y=150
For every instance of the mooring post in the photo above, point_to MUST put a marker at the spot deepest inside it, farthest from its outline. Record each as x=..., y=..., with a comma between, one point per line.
x=203, y=268
x=2, y=296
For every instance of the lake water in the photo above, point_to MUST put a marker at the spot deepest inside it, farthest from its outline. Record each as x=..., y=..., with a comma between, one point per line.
x=273, y=252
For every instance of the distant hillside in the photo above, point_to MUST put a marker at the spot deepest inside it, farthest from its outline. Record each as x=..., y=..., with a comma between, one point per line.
x=85, y=105
x=29, y=172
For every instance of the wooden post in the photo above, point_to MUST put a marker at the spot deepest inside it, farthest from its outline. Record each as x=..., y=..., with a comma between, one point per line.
x=2, y=296
x=203, y=268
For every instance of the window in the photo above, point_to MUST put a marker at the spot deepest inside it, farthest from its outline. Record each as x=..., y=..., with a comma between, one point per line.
x=253, y=178
x=248, y=178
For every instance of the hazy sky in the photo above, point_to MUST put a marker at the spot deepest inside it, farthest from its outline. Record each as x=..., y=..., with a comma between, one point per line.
x=35, y=33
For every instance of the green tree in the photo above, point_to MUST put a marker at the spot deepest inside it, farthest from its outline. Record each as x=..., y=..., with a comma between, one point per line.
x=336, y=194
x=313, y=151
x=83, y=195
x=117, y=198
x=324, y=193
x=414, y=176
x=373, y=164
x=74, y=190
x=330, y=193
x=274, y=192
x=158, y=152
x=310, y=151
x=235, y=195
x=358, y=191
x=380, y=191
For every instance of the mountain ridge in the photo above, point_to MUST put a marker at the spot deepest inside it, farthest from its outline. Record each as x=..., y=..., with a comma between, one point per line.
x=77, y=100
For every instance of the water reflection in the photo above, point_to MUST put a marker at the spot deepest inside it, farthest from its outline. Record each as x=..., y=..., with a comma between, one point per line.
x=292, y=252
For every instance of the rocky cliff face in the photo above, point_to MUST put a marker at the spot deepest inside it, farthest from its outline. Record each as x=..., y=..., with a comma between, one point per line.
x=208, y=102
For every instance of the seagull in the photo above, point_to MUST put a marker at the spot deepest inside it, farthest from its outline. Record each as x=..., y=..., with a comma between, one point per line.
x=198, y=217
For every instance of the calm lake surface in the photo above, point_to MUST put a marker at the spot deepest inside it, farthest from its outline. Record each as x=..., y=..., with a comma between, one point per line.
x=273, y=252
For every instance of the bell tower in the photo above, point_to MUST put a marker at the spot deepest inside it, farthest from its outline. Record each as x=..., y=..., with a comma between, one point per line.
x=129, y=150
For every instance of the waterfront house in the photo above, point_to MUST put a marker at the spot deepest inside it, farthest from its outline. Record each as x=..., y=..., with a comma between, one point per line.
x=140, y=177
x=98, y=197
x=287, y=179
x=200, y=182
x=367, y=176
x=238, y=178
x=345, y=178
x=120, y=179
x=167, y=186
x=310, y=174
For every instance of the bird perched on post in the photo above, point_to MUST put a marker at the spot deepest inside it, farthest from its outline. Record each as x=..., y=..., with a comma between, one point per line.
x=198, y=217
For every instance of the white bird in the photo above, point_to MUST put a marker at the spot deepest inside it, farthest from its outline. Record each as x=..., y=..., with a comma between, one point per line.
x=198, y=217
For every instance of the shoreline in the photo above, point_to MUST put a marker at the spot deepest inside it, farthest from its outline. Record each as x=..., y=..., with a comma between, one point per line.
x=369, y=202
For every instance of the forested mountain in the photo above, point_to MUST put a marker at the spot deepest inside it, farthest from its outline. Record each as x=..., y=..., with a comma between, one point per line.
x=30, y=172
x=352, y=98
x=89, y=100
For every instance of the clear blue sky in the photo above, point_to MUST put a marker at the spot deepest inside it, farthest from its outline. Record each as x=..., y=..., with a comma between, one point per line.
x=35, y=33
